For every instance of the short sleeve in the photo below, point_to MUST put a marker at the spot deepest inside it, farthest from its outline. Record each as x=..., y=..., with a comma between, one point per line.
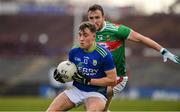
x=108, y=63
x=123, y=32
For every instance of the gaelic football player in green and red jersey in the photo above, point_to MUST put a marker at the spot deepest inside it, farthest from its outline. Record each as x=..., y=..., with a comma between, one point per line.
x=113, y=37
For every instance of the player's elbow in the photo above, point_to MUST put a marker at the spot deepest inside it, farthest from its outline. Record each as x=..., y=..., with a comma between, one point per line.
x=111, y=77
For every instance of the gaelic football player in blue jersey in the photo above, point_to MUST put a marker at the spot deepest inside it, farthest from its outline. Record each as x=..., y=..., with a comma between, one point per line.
x=96, y=72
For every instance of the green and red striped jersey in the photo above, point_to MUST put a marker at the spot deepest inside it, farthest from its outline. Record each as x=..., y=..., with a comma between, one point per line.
x=113, y=38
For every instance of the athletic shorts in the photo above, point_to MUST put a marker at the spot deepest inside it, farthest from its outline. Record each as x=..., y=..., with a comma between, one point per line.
x=121, y=83
x=78, y=97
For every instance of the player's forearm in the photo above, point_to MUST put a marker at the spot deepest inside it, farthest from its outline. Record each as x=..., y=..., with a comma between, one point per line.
x=136, y=37
x=103, y=81
x=151, y=43
x=109, y=80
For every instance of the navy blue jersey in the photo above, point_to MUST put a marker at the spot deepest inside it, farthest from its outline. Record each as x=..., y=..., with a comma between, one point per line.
x=92, y=64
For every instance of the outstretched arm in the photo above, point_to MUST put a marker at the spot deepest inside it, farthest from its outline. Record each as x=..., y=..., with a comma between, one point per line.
x=137, y=37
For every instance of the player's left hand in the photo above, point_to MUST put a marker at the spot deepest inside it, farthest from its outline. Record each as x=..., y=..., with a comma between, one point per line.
x=78, y=77
x=168, y=55
x=57, y=76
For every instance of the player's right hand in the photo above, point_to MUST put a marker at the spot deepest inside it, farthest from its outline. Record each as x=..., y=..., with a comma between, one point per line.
x=168, y=55
x=57, y=76
x=78, y=77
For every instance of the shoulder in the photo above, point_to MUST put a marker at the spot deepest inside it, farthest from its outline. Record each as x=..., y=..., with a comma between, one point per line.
x=102, y=51
x=106, y=57
x=124, y=27
x=75, y=49
x=113, y=26
x=110, y=26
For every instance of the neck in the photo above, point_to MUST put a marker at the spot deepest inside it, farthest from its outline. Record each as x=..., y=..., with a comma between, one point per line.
x=92, y=47
x=103, y=25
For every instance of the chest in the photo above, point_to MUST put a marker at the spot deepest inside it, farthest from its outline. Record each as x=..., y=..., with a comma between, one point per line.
x=88, y=63
x=106, y=36
x=87, y=60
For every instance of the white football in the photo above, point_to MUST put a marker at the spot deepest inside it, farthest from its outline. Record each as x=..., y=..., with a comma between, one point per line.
x=67, y=70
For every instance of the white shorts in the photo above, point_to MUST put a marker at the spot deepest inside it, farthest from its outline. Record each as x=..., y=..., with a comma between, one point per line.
x=77, y=96
x=121, y=83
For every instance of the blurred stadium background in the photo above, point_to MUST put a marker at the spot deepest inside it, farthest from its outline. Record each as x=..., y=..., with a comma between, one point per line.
x=35, y=35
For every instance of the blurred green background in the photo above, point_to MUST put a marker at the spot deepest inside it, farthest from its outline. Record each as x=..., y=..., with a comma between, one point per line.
x=41, y=104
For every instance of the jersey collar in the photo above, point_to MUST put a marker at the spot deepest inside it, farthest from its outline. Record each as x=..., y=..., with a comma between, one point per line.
x=92, y=48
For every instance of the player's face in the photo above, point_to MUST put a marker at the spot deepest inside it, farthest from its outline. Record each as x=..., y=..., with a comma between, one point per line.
x=86, y=39
x=96, y=18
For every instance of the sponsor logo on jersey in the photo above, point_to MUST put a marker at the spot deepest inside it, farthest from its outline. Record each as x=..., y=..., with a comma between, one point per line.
x=94, y=62
x=87, y=71
x=77, y=59
x=86, y=58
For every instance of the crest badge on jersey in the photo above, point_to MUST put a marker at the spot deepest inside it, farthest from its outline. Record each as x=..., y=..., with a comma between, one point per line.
x=94, y=62
x=108, y=38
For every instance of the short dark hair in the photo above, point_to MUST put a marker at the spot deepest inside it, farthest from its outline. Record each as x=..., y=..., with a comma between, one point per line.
x=88, y=25
x=96, y=7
